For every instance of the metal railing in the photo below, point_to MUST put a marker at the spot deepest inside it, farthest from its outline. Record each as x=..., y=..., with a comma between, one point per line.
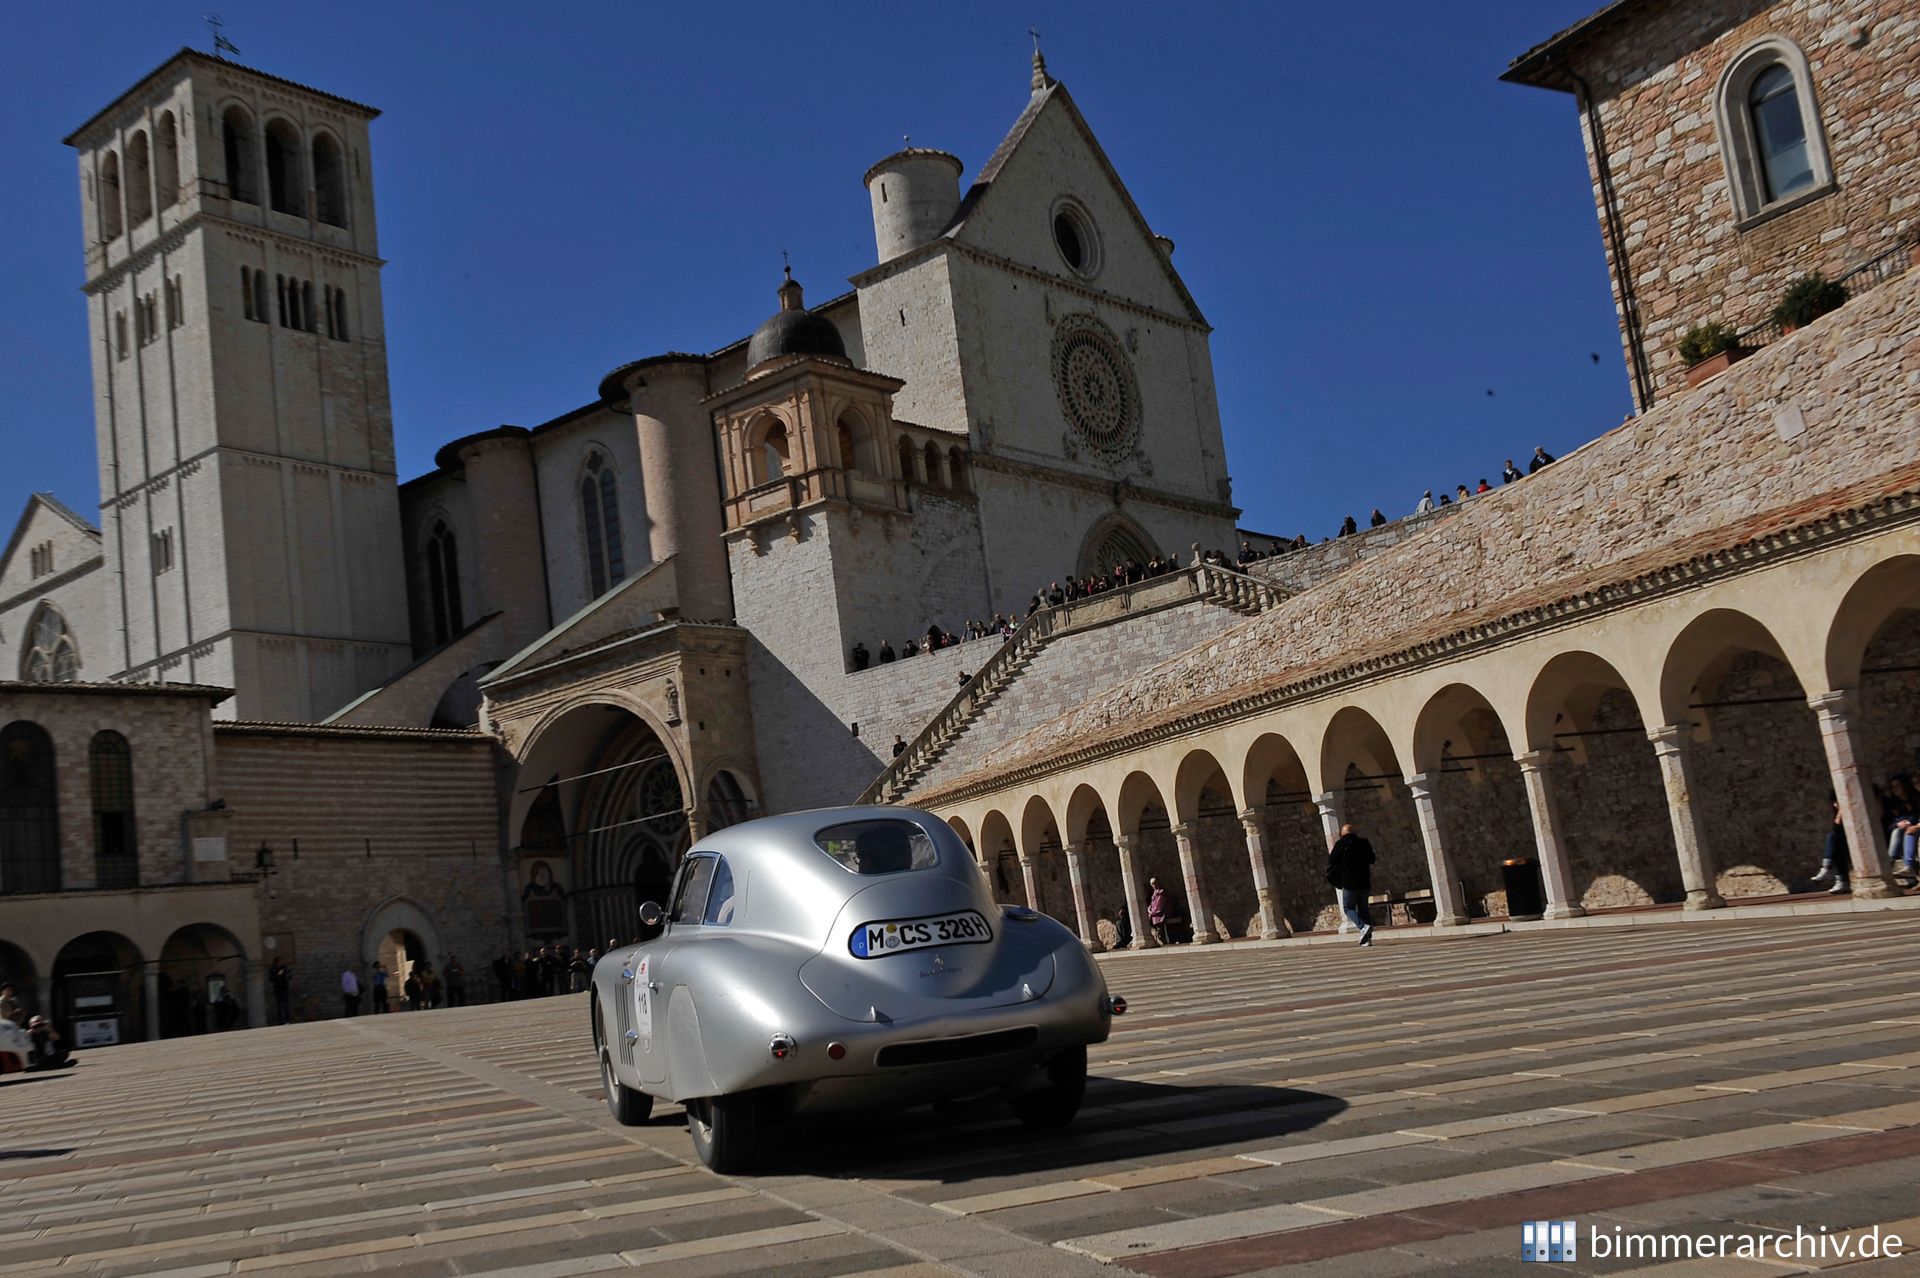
x=1226, y=586
x=1869, y=274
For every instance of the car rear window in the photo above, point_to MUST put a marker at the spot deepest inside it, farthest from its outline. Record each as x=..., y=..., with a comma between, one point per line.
x=879, y=847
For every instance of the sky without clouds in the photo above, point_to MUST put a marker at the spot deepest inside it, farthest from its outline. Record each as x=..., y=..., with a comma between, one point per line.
x=1379, y=231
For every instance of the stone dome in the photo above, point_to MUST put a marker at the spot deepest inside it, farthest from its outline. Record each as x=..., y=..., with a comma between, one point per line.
x=794, y=330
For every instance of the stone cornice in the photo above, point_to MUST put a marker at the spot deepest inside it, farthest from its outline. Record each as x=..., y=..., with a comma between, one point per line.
x=59, y=579
x=621, y=645
x=1889, y=512
x=174, y=236
x=1106, y=487
x=336, y=731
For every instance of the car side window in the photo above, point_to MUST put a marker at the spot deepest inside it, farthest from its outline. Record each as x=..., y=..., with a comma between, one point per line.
x=720, y=898
x=691, y=899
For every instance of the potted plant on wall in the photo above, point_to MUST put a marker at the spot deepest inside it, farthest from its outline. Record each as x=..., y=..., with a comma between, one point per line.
x=1710, y=349
x=1806, y=300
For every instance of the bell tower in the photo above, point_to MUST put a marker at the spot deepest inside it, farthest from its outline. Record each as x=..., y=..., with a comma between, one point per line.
x=248, y=501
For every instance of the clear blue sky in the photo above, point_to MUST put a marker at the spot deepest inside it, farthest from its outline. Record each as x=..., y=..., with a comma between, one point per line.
x=1379, y=231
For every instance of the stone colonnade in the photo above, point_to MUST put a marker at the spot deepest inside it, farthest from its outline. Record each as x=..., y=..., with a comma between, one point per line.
x=1698, y=745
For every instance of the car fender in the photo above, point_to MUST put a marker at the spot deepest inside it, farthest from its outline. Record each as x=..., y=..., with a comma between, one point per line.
x=688, y=1074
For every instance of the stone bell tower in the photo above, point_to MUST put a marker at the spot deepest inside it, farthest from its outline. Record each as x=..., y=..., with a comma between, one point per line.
x=248, y=501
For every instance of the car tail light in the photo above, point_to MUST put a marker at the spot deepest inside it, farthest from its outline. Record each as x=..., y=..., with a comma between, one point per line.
x=836, y=1051
x=1117, y=1005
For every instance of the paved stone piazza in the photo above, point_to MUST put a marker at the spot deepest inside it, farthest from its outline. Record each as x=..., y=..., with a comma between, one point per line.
x=1261, y=1109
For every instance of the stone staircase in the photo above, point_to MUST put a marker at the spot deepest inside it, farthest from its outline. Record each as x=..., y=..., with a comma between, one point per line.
x=1222, y=587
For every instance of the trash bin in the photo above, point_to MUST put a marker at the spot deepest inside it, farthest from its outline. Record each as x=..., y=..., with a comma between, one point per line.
x=1526, y=895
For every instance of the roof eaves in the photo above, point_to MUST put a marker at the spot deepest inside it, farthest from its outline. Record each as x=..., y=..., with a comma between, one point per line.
x=194, y=55
x=1537, y=65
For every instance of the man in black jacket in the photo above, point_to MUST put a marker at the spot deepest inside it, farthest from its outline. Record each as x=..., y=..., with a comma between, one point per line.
x=1350, y=870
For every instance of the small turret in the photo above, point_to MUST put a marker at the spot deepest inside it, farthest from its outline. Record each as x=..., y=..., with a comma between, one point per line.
x=915, y=193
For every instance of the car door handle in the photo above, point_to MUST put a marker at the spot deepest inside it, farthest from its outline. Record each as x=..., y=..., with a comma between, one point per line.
x=653, y=987
x=626, y=975
x=633, y=1036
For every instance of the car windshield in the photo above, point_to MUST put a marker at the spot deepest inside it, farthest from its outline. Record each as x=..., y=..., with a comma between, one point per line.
x=879, y=847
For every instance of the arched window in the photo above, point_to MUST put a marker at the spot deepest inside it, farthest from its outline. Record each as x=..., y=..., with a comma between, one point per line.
x=600, y=518
x=243, y=174
x=773, y=453
x=51, y=655
x=286, y=169
x=1114, y=540
x=907, y=469
x=1779, y=134
x=110, y=197
x=29, y=810
x=856, y=444
x=957, y=469
x=139, y=180
x=931, y=454
x=116, y=852
x=1770, y=134
x=443, y=583
x=166, y=146
x=329, y=181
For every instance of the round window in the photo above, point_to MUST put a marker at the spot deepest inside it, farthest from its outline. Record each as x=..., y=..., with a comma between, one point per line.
x=1074, y=236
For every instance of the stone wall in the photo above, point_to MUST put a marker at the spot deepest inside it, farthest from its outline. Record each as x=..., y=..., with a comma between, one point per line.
x=380, y=816
x=1303, y=569
x=1821, y=420
x=1692, y=256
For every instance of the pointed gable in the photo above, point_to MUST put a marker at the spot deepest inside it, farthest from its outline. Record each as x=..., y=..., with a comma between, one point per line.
x=49, y=541
x=1050, y=155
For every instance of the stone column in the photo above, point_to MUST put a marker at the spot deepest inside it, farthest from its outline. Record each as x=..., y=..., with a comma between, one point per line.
x=1333, y=814
x=150, y=978
x=1253, y=821
x=1555, y=873
x=1077, y=876
x=1449, y=906
x=1199, y=911
x=1032, y=884
x=1871, y=875
x=1136, y=900
x=255, y=976
x=1672, y=744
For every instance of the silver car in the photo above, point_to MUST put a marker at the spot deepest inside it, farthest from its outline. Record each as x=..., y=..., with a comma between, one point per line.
x=848, y=958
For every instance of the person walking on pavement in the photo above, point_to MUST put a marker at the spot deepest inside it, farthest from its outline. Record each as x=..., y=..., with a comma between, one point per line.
x=380, y=988
x=350, y=990
x=1350, y=871
x=1157, y=911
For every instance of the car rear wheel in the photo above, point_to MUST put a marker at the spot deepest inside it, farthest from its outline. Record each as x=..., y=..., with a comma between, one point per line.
x=725, y=1131
x=1056, y=1102
x=629, y=1106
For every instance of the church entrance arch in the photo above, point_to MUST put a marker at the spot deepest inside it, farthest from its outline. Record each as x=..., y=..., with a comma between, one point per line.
x=202, y=981
x=399, y=936
x=1114, y=540
x=602, y=824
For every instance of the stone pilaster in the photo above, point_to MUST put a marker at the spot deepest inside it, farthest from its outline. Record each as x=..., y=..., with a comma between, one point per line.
x=1031, y=881
x=1136, y=900
x=1332, y=807
x=1449, y=906
x=1199, y=912
x=1871, y=876
x=1253, y=821
x=1077, y=877
x=1672, y=745
x=1549, y=840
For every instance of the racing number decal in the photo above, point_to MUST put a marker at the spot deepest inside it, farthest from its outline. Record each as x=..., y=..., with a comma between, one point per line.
x=884, y=936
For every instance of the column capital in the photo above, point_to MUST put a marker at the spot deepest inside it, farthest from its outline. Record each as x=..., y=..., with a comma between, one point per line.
x=1026, y=861
x=1422, y=783
x=1124, y=842
x=1535, y=760
x=1253, y=816
x=1833, y=705
x=1331, y=801
x=1671, y=738
x=1185, y=830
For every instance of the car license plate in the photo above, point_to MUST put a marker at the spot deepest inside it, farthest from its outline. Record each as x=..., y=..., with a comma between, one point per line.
x=888, y=936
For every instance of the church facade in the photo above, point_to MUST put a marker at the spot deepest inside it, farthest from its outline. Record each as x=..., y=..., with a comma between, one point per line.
x=646, y=605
